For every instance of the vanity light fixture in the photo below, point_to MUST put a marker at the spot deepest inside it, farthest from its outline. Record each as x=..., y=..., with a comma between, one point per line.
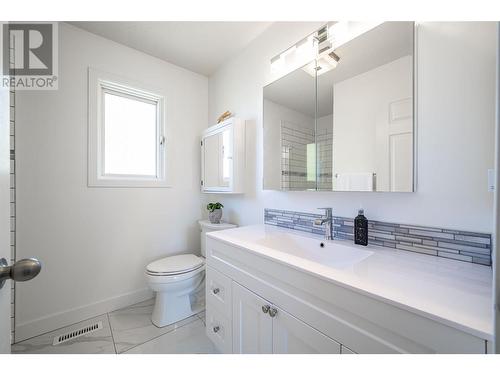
x=316, y=50
x=295, y=56
x=324, y=63
x=341, y=32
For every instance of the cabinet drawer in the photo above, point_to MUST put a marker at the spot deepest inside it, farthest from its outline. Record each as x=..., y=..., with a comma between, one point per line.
x=218, y=291
x=219, y=329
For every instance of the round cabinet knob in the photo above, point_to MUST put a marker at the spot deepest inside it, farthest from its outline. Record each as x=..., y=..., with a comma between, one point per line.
x=216, y=291
x=272, y=312
x=216, y=329
x=265, y=309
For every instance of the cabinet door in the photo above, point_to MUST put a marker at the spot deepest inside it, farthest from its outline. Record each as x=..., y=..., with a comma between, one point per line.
x=252, y=327
x=292, y=336
x=218, y=159
x=211, y=161
x=226, y=157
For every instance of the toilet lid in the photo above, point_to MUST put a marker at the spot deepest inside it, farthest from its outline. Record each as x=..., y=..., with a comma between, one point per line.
x=175, y=264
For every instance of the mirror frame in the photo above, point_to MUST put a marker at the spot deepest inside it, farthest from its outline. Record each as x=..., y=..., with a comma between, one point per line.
x=415, y=124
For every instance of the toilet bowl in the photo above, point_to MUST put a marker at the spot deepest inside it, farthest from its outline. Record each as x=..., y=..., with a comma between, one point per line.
x=179, y=282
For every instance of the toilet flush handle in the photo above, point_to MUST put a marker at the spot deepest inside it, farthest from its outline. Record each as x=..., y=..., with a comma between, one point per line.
x=216, y=291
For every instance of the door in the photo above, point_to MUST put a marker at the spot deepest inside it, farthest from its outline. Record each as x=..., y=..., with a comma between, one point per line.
x=496, y=211
x=25, y=269
x=394, y=146
x=4, y=217
x=252, y=325
x=401, y=161
x=292, y=336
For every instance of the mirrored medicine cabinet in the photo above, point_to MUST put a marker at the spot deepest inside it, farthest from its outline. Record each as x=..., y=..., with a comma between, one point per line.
x=345, y=121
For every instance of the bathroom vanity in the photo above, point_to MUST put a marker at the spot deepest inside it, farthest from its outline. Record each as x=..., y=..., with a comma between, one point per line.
x=269, y=290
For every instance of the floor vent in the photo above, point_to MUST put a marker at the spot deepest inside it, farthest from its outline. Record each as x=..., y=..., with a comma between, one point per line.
x=68, y=336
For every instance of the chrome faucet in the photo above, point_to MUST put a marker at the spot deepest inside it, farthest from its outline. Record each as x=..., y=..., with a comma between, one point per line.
x=327, y=221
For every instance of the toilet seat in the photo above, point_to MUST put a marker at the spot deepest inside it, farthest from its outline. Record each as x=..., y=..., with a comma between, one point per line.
x=175, y=265
x=157, y=279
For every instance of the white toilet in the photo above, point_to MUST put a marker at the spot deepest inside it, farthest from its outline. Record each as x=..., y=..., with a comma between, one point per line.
x=179, y=282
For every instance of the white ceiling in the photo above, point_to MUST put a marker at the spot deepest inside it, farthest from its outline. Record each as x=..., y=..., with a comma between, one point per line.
x=201, y=47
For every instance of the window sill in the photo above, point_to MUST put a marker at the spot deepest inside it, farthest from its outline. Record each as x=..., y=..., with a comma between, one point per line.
x=127, y=183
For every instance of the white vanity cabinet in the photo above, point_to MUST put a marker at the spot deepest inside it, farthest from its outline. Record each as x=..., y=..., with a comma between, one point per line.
x=257, y=326
x=223, y=157
x=256, y=304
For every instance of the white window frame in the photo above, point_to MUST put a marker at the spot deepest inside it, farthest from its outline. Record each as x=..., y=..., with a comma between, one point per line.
x=99, y=83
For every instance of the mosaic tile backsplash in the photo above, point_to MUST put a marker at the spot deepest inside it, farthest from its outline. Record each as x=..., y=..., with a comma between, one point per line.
x=452, y=244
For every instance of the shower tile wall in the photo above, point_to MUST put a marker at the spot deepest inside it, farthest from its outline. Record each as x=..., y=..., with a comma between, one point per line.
x=324, y=142
x=12, y=198
x=294, y=141
x=295, y=161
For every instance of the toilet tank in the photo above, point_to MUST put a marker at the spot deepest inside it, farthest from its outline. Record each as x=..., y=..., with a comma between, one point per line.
x=206, y=226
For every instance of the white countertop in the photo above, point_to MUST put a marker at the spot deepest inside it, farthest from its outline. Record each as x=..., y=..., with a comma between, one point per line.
x=455, y=293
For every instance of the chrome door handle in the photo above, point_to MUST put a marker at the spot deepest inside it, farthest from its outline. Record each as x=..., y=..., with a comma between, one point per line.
x=265, y=309
x=273, y=311
x=22, y=270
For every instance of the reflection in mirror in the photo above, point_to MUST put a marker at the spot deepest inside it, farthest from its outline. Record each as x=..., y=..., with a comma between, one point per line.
x=345, y=121
x=367, y=103
x=289, y=132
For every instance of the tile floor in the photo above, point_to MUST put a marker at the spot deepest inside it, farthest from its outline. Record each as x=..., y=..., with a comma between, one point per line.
x=128, y=331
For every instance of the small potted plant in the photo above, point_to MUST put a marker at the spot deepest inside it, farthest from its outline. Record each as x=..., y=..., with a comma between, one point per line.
x=214, y=212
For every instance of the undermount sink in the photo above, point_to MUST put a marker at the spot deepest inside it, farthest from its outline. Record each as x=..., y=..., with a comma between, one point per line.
x=328, y=253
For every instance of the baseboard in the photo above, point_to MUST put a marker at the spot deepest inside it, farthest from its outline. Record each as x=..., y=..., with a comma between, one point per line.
x=64, y=318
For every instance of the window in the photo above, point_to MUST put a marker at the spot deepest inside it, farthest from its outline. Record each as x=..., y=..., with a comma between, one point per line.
x=311, y=161
x=126, y=133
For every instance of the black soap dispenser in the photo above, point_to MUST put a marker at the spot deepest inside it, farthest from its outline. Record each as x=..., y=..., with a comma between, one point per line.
x=361, y=229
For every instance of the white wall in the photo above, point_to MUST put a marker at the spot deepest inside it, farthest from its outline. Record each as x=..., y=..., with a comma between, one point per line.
x=94, y=243
x=361, y=112
x=456, y=91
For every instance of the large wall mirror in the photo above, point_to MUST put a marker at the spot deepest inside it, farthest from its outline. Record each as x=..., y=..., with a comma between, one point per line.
x=345, y=122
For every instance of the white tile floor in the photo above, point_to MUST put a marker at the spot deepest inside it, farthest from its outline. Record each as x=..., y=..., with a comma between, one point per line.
x=128, y=331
